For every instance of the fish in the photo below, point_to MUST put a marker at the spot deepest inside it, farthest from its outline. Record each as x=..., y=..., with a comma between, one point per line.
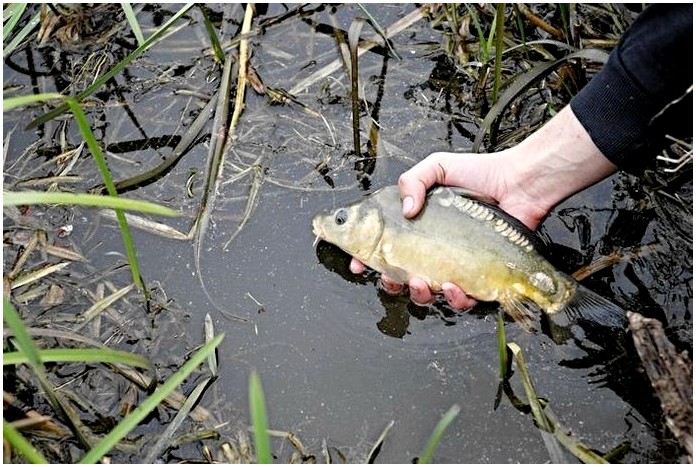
x=464, y=238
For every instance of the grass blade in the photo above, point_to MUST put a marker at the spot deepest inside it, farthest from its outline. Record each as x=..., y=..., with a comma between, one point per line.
x=242, y=73
x=483, y=44
x=378, y=444
x=353, y=39
x=11, y=14
x=15, y=198
x=21, y=35
x=38, y=274
x=133, y=22
x=546, y=421
x=28, y=349
x=257, y=408
x=165, y=438
x=91, y=355
x=498, y=65
x=20, y=443
x=375, y=25
x=209, y=333
x=218, y=53
x=12, y=102
x=147, y=225
x=251, y=203
x=95, y=149
x=537, y=410
x=102, y=305
x=502, y=348
x=440, y=428
x=148, y=405
x=11, y=317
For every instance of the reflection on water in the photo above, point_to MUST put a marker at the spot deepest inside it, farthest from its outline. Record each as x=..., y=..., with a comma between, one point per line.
x=399, y=310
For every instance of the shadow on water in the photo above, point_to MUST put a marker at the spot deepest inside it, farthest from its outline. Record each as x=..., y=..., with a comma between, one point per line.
x=399, y=310
x=338, y=357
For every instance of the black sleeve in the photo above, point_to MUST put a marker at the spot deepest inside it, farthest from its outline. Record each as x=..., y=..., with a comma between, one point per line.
x=629, y=106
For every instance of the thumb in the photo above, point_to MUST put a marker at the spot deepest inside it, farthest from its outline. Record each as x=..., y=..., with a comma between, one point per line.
x=414, y=183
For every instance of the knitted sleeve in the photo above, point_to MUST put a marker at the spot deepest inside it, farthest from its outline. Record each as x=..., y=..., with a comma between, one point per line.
x=640, y=95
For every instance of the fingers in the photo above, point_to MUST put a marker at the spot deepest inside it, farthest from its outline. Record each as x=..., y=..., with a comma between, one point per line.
x=419, y=290
x=456, y=297
x=391, y=286
x=356, y=267
x=415, y=182
x=421, y=294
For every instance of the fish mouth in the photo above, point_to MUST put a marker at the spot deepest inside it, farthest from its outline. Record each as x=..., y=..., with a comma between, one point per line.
x=317, y=230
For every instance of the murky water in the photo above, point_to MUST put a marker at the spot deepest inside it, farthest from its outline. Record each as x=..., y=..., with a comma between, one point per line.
x=340, y=360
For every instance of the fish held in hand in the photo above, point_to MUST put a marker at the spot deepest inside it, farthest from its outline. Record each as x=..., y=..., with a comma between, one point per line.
x=457, y=237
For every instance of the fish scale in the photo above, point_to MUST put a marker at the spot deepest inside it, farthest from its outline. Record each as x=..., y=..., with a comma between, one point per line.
x=482, y=213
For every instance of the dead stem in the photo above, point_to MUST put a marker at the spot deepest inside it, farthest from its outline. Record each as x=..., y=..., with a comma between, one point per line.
x=242, y=77
x=252, y=201
x=186, y=141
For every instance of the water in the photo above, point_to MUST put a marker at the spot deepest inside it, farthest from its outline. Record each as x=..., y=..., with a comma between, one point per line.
x=339, y=359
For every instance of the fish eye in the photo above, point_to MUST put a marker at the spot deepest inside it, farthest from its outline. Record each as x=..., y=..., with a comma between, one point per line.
x=341, y=217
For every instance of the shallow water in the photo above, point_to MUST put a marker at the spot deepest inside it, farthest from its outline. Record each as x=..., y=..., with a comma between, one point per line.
x=338, y=358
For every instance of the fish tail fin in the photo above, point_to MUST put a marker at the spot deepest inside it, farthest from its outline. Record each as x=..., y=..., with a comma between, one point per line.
x=589, y=306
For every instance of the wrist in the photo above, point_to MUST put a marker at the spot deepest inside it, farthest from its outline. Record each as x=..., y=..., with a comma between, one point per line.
x=557, y=161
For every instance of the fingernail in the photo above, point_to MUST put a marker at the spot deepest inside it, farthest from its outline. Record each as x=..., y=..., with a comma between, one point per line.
x=391, y=288
x=418, y=297
x=407, y=205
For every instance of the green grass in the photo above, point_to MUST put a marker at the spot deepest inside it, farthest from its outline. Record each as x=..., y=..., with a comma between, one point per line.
x=148, y=405
x=12, y=436
x=28, y=354
x=257, y=409
x=17, y=198
x=88, y=355
x=133, y=22
x=218, y=53
x=447, y=418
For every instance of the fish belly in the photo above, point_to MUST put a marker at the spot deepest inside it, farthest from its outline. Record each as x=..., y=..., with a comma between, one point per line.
x=412, y=254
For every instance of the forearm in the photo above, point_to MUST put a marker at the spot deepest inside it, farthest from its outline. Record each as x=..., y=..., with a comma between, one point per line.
x=557, y=161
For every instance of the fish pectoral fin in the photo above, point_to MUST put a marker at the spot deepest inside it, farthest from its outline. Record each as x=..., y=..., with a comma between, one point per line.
x=519, y=312
x=395, y=273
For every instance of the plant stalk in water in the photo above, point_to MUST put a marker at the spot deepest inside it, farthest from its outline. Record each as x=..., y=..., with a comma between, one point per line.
x=353, y=39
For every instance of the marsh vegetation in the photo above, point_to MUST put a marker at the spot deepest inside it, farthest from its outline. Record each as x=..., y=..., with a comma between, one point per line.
x=161, y=167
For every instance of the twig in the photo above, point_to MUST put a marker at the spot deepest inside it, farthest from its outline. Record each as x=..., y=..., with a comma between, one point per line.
x=538, y=22
x=242, y=77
